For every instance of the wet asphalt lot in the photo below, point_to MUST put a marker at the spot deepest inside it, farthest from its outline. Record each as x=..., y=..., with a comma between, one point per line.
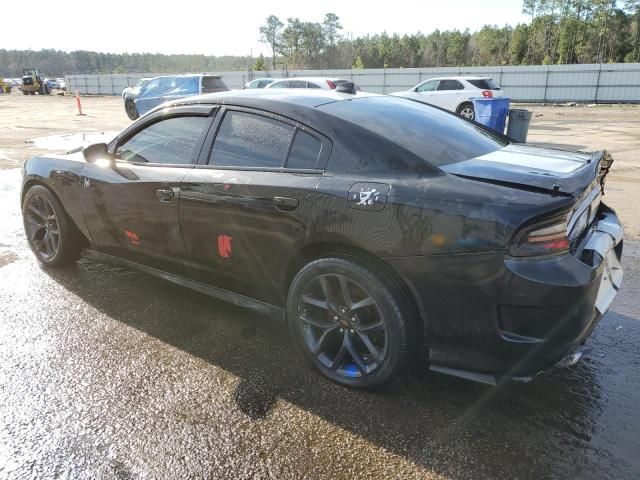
x=110, y=374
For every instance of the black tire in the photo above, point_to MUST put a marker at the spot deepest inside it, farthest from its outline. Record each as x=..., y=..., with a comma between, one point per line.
x=24, y=92
x=130, y=108
x=32, y=92
x=335, y=327
x=52, y=235
x=47, y=90
x=466, y=110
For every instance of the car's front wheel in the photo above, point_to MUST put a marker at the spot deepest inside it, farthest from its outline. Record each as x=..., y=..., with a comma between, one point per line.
x=466, y=110
x=50, y=232
x=130, y=108
x=349, y=322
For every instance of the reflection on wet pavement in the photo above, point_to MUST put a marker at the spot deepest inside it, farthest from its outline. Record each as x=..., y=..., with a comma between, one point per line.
x=108, y=373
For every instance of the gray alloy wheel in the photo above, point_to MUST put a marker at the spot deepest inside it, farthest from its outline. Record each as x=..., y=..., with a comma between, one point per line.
x=350, y=323
x=51, y=234
x=466, y=110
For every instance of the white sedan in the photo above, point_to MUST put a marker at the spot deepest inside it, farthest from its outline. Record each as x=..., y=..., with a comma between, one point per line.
x=453, y=93
x=323, y=83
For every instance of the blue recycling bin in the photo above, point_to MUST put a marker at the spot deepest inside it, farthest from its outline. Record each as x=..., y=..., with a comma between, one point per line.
x=492, y=112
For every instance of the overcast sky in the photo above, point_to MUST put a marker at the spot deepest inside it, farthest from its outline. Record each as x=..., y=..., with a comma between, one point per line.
x=229, y=27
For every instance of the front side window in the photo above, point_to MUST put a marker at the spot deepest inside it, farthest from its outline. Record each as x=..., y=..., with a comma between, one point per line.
x=428, y=86
x=280, y=84
x=170, y=141
x=250, y=140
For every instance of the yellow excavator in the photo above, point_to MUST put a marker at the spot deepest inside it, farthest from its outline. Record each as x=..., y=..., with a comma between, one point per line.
x=4, y=86
x=32, y=82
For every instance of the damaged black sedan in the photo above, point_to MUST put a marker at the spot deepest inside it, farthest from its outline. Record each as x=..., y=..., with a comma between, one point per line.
x=378, y=229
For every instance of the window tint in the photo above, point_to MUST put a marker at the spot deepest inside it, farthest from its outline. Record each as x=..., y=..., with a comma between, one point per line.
x=212, y=85
x=280, y=84
x=304, y=151
x=440, y=138
x=297, y=84
x=428, y=86
x=313, y=85
x=249, y=140
x=170, y=141
x=450, y=85
x=264, y=83
x=485, y=84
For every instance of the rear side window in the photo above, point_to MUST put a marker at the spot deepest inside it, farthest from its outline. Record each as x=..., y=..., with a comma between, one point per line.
x=304, y=151
x=249, y=140
x=185, y=86
x=450, y=85
x=170, y=141
x=314, y=85
x=279, y=84
x=297, y=84
x=438, y=137
x=485, y=84
x=213, y=85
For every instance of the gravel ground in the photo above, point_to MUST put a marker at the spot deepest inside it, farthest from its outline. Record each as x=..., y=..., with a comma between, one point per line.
x=107, y=373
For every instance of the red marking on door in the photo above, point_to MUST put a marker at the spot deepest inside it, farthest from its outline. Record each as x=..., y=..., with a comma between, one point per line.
x=132, y=237
x=224, y=246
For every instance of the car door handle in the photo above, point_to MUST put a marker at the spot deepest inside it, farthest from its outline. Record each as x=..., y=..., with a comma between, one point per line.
x=165, y=195
x=285, y=204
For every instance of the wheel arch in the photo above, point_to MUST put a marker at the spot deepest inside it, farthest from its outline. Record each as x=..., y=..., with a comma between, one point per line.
x=320, y=249
x=32, y=182
x=463, y=103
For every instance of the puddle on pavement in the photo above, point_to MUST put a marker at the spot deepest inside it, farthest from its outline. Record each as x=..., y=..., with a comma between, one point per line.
x=71, y=141
x=6, y=258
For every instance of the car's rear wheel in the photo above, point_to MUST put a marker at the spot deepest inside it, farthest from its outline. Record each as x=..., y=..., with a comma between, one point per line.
x=50, y=232
x=349, y=322
x=130, y=108
x=466, y=110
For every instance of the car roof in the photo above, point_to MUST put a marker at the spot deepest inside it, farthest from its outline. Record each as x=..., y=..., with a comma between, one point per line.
x=188, y=75
x=277, y=101
x=459, y=78
x=313, y=79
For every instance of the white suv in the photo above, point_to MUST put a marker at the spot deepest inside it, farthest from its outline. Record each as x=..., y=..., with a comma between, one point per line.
x=453, y=93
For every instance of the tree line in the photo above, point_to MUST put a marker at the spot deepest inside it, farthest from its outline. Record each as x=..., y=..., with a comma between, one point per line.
x=557, y=32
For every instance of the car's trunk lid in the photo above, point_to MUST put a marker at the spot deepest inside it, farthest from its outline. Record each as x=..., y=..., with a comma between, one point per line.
x=536, y=169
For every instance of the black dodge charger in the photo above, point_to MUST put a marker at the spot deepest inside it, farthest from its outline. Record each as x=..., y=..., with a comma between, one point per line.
x=378, y=229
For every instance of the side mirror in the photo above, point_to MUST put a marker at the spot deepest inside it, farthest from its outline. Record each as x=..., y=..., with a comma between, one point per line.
x=347, y=87
x=98, y=151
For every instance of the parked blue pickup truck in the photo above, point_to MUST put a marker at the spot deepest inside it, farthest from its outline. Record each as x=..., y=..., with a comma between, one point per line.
x=172, y=87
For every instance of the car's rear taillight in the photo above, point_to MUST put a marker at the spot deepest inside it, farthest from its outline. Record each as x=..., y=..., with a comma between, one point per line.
x=331, y=84
x=487, y=93
x=545, y=238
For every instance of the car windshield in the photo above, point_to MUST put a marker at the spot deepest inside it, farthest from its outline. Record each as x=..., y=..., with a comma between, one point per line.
x=437, y=136
x=485, y=84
